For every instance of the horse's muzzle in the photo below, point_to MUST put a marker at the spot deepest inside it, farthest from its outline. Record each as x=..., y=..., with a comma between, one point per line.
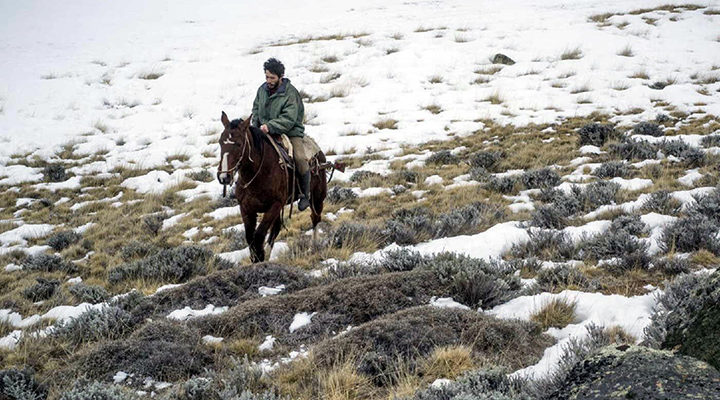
x=224, y=178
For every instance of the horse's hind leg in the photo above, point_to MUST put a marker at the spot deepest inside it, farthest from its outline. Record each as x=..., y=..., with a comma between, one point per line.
x=318, y=197
x=268, y=219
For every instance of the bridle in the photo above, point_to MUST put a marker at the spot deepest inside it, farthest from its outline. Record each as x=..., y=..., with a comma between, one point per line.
x=244, y=149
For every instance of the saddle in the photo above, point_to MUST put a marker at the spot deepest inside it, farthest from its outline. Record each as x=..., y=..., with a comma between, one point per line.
x=283, y=147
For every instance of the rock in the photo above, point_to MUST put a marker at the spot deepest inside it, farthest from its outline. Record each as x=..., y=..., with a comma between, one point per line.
x=639, y=373
x=500, y=58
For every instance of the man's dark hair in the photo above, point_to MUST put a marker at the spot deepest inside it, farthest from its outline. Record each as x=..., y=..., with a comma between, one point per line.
x=275, y=67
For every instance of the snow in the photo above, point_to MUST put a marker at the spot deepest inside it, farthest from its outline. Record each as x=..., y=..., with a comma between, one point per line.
x=210, y=339
x=447, y=302
x=492, y=243
x=224, y=212
x=267, y=344
x=72, y=183
x=20, y=234
x=595, y=308
x=238, y=256
x=590, y=149
x=168, y=287
x=187, y=312
x=270, y=291
x=10, y=341
x=119, y=377
x=300, y=320
x=13, y=267
x=632, y=184
x=433, y=180
x=172, y=221
x=75, y=280
x=690, y=177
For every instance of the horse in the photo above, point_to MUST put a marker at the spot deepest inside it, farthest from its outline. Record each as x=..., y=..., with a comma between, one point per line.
x=264, y=185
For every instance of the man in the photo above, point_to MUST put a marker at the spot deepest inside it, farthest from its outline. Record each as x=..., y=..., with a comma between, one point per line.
x=278, y=109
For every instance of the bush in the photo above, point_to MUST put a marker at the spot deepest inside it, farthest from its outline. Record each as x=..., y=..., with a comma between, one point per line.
x=549, y=217
x=162, y=350
x=595, y=134
x=48, y=263
x=672, y=265
x=711, y=141
x=168, y=266
x=153, y=222
x=692, y=233
x=137, y=249
x=634, y=150
x=97, y=391
x=561, y=276
x=540, y=178
x=409, y=225
x=707, y=205
x=631, y=252
x=464, y=219
x=630, y=223
x=63, y=240
x=54, y=173
x=405, y=176
x=350, y=234
x=487, y=160
x=107, y=323
x=18, y=384
x=662, y=202
x=674, y=147
x=443, y=157
x=546, y=244
x=482, y=384
x=505, y=185
x=360, y=176
x=202, y=175
x=338, y=195
x=42, y=290
x=693, y=158
x=600, y=193
x=611, y=169
x=224, y=202
x=479, y=174
x=648, y=128
x=89, y=293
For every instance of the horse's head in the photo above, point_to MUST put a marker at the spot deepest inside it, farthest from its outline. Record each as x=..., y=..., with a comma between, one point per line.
x=234, y=141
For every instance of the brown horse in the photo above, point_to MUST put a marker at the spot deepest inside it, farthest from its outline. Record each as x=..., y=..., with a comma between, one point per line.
x=263, y=184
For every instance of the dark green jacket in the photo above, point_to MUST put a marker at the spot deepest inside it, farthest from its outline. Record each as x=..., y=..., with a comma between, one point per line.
x=282, y=112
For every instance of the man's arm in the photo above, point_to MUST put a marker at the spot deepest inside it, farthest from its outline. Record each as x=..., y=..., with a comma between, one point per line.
x=287, y=118
x=255, y=108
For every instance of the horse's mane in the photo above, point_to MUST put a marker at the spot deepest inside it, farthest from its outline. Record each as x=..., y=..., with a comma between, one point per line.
x=258, y=136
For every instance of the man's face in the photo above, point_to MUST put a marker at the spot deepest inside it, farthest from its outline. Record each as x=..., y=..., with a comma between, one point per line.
x=271, y=79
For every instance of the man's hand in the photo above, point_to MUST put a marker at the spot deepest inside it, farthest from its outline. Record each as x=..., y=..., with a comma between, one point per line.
x=264, y=128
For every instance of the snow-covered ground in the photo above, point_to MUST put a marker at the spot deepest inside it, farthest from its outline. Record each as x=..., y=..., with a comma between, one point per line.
x=140, y=82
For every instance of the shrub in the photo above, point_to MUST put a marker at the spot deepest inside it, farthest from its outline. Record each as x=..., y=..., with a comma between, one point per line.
x=461, y=220
x=42, y=290
x=674, y=147
x=97, y=391
x=611, y=169
x=595, y=134
x=485, y=159
x=672, y=265
x=540, y=178
x=630, y=223
x=693, y=158
x=162, y=350
x=648, y=128
x=18, y=384
x=170, y=265
x=402, y=260
x=48, y=263
x=409, y=225
x=662, y=202
x=338, y=195
x=600, y=193
x=482, y=384
x=63, y=240
x=708, y=205
x=54, y=173
x=153, y=222
x=634, y=150
x=406, y=176
x=561, y=276
x=89, y=293
x=503, y=185
x=631, y=252
x=224, y=202
x=443, y=157
x=546, y=244
x=479, y=174
x=137, y=249
x=350, y=234
x=202, y=175
x=107, y=323
x=711, y=141
x=360, y=176
x=549, y=217
x=692, y=233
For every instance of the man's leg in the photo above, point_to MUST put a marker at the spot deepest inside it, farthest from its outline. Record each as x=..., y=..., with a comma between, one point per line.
x=303, y=167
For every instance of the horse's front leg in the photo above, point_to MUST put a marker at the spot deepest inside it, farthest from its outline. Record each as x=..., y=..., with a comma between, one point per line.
x=250, y=220
x=274, y=231
x=268, y=219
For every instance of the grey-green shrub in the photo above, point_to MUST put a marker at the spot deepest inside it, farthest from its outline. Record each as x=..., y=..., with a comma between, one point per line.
x=17, y=384
x=540, y=178
x=442, y=157
x=611, y=169
x=89, y=293
x=106, y=323
x=595, y=134
x=98, y=391
x=48, y=263
x=174, y=265
x=63, y=240
x=338, y=195
x=648, y=128
x=42, y=290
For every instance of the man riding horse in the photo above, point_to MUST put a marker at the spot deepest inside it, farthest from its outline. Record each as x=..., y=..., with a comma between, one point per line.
x=277, y=110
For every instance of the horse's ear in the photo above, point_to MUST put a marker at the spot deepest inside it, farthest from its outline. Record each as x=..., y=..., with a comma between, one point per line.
x=246, y=123
x=224, y=119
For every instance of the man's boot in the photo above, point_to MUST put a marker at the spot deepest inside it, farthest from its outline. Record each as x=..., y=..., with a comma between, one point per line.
x=305, y=191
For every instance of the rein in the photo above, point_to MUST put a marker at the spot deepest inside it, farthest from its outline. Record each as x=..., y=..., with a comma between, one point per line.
x=244, y=148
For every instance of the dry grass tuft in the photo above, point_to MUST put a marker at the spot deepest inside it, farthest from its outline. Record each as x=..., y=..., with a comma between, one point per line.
x=557, y=313
x=448, y=362
x=433, y=108
x=626, y=51
x=572, y=54
x=387, y=123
